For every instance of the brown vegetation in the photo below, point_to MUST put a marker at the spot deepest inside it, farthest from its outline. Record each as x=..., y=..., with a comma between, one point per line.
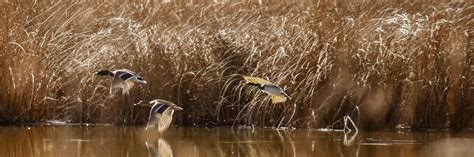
x=387, y=64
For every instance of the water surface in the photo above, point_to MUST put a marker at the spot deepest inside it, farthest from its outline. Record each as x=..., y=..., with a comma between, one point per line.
x=103, y=141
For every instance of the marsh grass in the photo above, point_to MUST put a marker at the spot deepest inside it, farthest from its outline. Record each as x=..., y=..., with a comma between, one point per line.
x=404, y=65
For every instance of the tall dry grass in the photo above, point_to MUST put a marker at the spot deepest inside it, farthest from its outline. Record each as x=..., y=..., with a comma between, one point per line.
x=386, y=64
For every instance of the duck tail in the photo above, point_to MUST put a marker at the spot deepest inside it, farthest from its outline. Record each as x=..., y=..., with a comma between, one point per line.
x=105, y=73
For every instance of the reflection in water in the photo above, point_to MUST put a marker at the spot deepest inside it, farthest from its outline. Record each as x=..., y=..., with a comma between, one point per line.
x=451, y=147
x=349, y=138
x=162, y=149
x=135, y=141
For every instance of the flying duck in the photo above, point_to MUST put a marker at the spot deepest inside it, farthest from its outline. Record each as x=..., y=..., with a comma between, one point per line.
x=277, y=93
x=122, y=79
x=161, y=114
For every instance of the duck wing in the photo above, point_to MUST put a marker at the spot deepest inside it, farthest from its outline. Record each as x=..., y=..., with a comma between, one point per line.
x=161, y=101
x=273, y=89
x=161, y=115
x=124, y=74
x=155, y=114
x=153, y=120
x=257, y=80
x=117, y=84
x=165, y=120
x=278, y=99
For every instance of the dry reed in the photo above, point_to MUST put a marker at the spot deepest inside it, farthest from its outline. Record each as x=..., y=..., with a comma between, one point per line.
x=405, y=65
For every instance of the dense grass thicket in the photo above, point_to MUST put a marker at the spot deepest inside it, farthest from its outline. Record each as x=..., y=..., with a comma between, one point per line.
x=385, y=64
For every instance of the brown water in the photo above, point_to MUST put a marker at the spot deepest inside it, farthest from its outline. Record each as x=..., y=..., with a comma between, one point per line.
x=104, y=141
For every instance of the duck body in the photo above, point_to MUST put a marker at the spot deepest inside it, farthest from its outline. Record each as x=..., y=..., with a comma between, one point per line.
x=161, y=114
x=277, y=93
x=122, y=79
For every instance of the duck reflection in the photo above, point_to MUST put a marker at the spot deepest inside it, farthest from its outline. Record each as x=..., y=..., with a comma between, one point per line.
x=160, y=148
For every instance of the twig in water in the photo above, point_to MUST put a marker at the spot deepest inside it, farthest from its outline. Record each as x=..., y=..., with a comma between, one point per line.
x=350, y=141
x=348, y=118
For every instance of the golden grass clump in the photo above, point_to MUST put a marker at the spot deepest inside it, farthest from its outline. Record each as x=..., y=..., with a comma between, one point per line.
x=386, y=64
